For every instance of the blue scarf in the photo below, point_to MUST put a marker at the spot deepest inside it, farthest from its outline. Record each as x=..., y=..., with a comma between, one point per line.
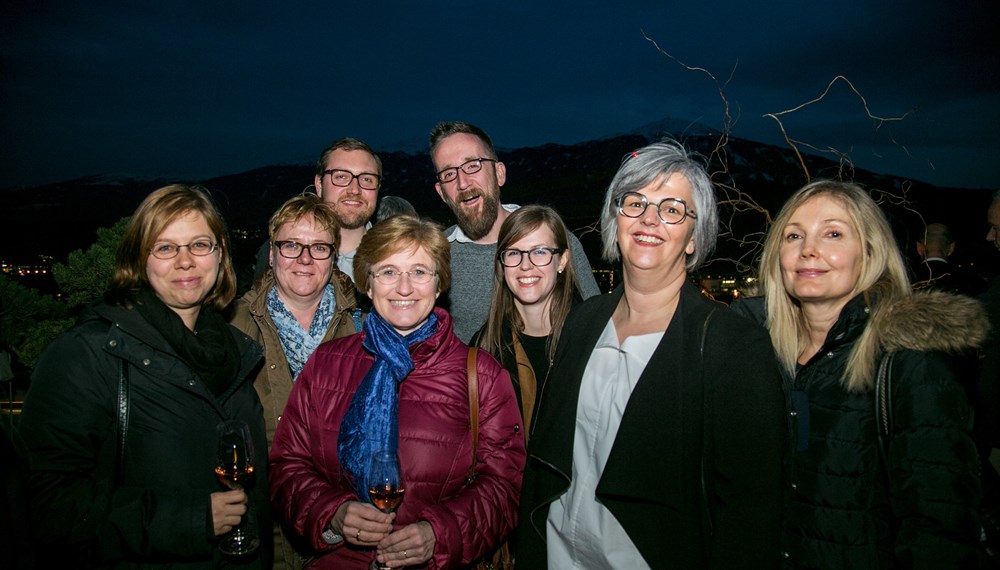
x=371, y=422
x=297, y=343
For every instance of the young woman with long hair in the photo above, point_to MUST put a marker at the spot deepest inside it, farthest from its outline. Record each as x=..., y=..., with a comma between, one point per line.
x=534, y=287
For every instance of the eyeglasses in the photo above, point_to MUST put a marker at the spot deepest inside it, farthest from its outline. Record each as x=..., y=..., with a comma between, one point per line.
x=469, y=167
x=669, y=210
x=366, y=180
x=539, y=257
x=391, y=276
x=167, y=250
x=293, y=249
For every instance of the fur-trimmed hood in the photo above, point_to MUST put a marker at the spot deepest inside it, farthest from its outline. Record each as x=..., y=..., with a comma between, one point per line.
x=932, y=321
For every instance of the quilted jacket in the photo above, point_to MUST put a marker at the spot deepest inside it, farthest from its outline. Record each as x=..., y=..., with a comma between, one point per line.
x=435, y=439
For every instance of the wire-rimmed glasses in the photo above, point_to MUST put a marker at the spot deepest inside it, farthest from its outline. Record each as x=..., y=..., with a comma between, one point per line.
x=169, y=250
x=366, y=180
x=391, y=276
x=469, y=167
x=539, y=257
x=669, y=210
x=293, y=249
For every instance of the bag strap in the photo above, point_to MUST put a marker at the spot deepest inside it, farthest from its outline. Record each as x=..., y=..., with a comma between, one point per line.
x=501, y=558
x=122, y=426
x=473, y=377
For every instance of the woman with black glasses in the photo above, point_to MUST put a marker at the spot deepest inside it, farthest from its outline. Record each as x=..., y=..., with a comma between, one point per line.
x=659, y=432
x=534, y=287
x=300, y=301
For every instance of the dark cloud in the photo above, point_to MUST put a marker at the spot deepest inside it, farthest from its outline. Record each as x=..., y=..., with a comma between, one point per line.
x=188, y=89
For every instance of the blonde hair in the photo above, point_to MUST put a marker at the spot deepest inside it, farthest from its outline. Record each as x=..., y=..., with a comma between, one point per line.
x=160, y=209
x=402, y=233
x=882, y=279
x=301, y=206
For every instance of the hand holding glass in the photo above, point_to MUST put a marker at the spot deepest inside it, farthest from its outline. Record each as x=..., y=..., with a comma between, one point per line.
x=385, y=486
x=234, y=467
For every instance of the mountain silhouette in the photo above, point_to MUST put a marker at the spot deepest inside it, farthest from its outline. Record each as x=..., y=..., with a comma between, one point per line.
x=55, y=219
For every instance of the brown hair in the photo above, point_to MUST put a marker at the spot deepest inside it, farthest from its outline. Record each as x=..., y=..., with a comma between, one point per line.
x=346, y=143
x=402, y=233
x=444, y=130
x=160, y=209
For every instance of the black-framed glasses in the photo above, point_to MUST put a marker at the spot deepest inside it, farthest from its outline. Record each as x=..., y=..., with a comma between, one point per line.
x=293, y=249
x=168, y=250
x=366, y=180
x=390, y=276
x=539, y=257
x=469, y=167
x=669, y=210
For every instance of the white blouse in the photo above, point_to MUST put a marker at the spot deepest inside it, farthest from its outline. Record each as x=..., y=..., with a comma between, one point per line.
x=581, y=532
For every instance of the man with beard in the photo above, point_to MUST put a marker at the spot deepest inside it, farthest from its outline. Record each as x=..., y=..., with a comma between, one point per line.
x=469, y=177
x=348, y=177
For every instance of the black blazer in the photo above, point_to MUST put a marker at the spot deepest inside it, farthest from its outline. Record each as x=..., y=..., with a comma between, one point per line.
x=653, y=482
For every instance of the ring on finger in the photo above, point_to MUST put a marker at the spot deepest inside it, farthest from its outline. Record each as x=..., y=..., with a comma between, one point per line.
x=357, y=535
x=404, y=554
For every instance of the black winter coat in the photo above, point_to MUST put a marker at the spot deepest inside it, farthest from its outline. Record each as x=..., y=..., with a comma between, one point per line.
x=846, y=510
x=160, y=514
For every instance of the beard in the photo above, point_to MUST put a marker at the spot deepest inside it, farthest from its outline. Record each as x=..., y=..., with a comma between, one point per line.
x=475, y=224
x=351, y=219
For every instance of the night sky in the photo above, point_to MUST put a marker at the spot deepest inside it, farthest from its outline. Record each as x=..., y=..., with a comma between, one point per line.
x=196, y=89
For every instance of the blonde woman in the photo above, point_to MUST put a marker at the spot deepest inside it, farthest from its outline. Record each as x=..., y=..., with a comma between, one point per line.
x=902, y=492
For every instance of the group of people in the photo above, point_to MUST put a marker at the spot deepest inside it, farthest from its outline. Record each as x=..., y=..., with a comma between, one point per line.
x=824, y=424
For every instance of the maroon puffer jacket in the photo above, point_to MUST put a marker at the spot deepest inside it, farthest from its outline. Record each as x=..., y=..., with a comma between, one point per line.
x=435, y=449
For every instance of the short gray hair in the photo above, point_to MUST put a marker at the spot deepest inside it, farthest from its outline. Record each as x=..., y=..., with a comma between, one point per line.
x=642, y=167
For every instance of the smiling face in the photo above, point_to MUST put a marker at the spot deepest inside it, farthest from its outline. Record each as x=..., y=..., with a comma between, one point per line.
x=301, y=279
x=821, y=254
x=183, y=282
x=529, y=284
x=404, y=305
x=352, y=205
x=473, y=198
x=648, y=244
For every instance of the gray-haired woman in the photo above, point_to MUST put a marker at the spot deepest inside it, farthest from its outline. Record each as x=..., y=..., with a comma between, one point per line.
x=673, y=404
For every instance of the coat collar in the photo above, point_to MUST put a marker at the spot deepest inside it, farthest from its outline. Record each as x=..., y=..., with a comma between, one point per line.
x=932, y=321
x=656, y=394
x=128, y=325
x=256, y=297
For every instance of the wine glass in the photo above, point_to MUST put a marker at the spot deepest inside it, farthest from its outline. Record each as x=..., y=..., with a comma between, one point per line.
x=234, y=466
x=385, y=486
